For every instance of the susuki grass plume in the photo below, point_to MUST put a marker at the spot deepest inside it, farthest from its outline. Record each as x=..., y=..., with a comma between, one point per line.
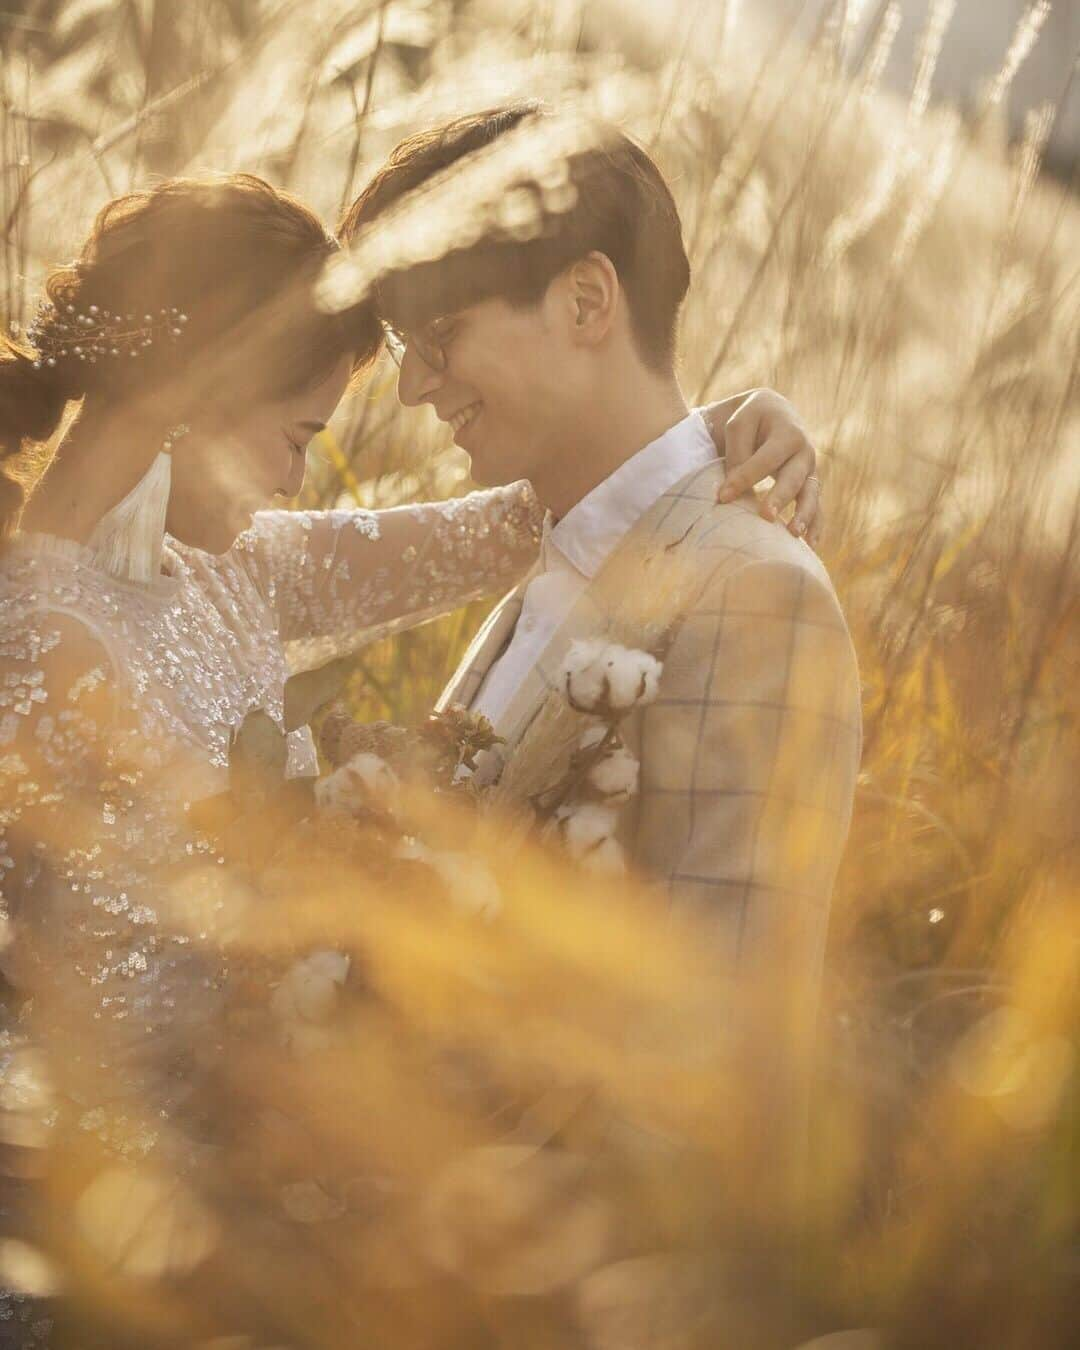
x=910, y=283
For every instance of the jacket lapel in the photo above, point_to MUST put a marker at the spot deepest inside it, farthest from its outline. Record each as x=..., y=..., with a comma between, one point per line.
x=632, y=599
x=488, y=644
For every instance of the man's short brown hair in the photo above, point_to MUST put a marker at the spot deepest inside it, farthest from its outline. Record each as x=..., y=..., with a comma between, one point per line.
x=614, y=200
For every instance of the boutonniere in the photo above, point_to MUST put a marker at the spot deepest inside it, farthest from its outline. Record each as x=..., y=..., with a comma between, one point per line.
x=603, y=683
x=366, y=813
x=574, y=800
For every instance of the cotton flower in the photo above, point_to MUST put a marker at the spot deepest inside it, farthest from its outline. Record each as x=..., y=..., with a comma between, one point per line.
x=584, y=826
x=606, y=859
x=316, y=983
x=607, y=679
x=306, y=998
x=588, y=831
x=468, y=881
x=615, y=775
x=364, y=782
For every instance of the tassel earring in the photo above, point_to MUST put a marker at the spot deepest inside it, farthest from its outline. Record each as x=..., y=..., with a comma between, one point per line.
x=129, y=539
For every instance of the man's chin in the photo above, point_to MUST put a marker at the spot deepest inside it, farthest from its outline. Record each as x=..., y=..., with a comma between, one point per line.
x=486, y=476
x=496, y=471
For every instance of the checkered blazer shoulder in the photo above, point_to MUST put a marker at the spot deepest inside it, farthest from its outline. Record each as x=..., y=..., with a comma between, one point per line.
x=750, y=753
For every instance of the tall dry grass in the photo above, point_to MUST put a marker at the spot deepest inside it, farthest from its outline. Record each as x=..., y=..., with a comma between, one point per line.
x=909, y=280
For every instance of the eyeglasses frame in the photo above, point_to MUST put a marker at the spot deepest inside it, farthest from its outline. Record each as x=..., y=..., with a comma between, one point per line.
x=431, y=352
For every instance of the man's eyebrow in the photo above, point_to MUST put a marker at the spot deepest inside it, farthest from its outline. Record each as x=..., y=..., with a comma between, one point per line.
x=313, y=427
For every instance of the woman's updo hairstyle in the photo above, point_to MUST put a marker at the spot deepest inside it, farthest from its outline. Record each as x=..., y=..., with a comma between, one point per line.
x=237, y=257
x=30, y=412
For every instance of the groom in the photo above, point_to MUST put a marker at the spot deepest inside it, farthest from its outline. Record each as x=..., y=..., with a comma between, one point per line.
x=550, y=350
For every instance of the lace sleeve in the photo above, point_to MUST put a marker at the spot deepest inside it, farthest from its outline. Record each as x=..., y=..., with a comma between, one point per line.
x=339, y=578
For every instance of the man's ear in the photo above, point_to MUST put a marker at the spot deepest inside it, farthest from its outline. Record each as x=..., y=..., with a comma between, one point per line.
x=593, y=297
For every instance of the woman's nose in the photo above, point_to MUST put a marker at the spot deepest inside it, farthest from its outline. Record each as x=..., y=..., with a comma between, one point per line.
x=417, y=381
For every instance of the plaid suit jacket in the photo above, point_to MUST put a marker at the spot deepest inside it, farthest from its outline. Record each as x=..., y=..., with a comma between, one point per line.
x=750, y=753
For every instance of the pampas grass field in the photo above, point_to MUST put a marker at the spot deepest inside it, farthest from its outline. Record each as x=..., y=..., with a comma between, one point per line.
x=910, y=278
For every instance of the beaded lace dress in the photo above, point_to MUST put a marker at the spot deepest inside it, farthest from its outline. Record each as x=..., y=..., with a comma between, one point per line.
x=118, y=703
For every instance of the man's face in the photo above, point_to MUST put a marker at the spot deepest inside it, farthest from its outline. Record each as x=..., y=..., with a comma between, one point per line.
x=510, y=385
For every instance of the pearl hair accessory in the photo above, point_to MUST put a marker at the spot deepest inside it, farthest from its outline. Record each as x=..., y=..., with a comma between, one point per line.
x=62, y=332
x=173, y=436
x=129, y=539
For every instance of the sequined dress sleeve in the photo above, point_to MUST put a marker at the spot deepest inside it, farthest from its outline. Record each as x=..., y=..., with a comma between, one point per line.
x=110, y=992
x=97, y=854
x=340, y=578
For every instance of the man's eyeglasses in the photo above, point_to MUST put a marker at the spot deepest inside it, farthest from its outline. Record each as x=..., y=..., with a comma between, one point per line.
x=429, y=341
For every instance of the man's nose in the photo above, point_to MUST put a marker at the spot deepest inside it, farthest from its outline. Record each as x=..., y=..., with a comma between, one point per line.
x=417, y=381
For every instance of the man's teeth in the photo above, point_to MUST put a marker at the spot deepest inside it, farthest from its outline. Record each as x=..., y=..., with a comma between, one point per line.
x=464, y=417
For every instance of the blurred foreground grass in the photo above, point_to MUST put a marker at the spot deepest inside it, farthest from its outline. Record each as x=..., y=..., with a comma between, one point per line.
x=910, y=281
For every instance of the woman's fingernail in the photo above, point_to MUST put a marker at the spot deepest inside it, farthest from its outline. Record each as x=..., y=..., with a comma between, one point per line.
x=725, y=494
x=800, y=527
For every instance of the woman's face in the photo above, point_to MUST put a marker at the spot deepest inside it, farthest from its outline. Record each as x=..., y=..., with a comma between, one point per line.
x=221, y=478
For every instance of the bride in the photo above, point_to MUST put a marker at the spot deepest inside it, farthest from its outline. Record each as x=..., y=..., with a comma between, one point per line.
x=148, y=602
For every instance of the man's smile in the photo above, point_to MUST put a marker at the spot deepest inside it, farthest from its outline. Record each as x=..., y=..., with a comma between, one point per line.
x=461, y=419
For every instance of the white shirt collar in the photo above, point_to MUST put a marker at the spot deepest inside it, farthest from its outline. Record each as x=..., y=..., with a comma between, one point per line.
x=591, y=529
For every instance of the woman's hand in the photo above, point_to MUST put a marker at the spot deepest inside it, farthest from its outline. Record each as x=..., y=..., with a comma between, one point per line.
x=761, y=435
